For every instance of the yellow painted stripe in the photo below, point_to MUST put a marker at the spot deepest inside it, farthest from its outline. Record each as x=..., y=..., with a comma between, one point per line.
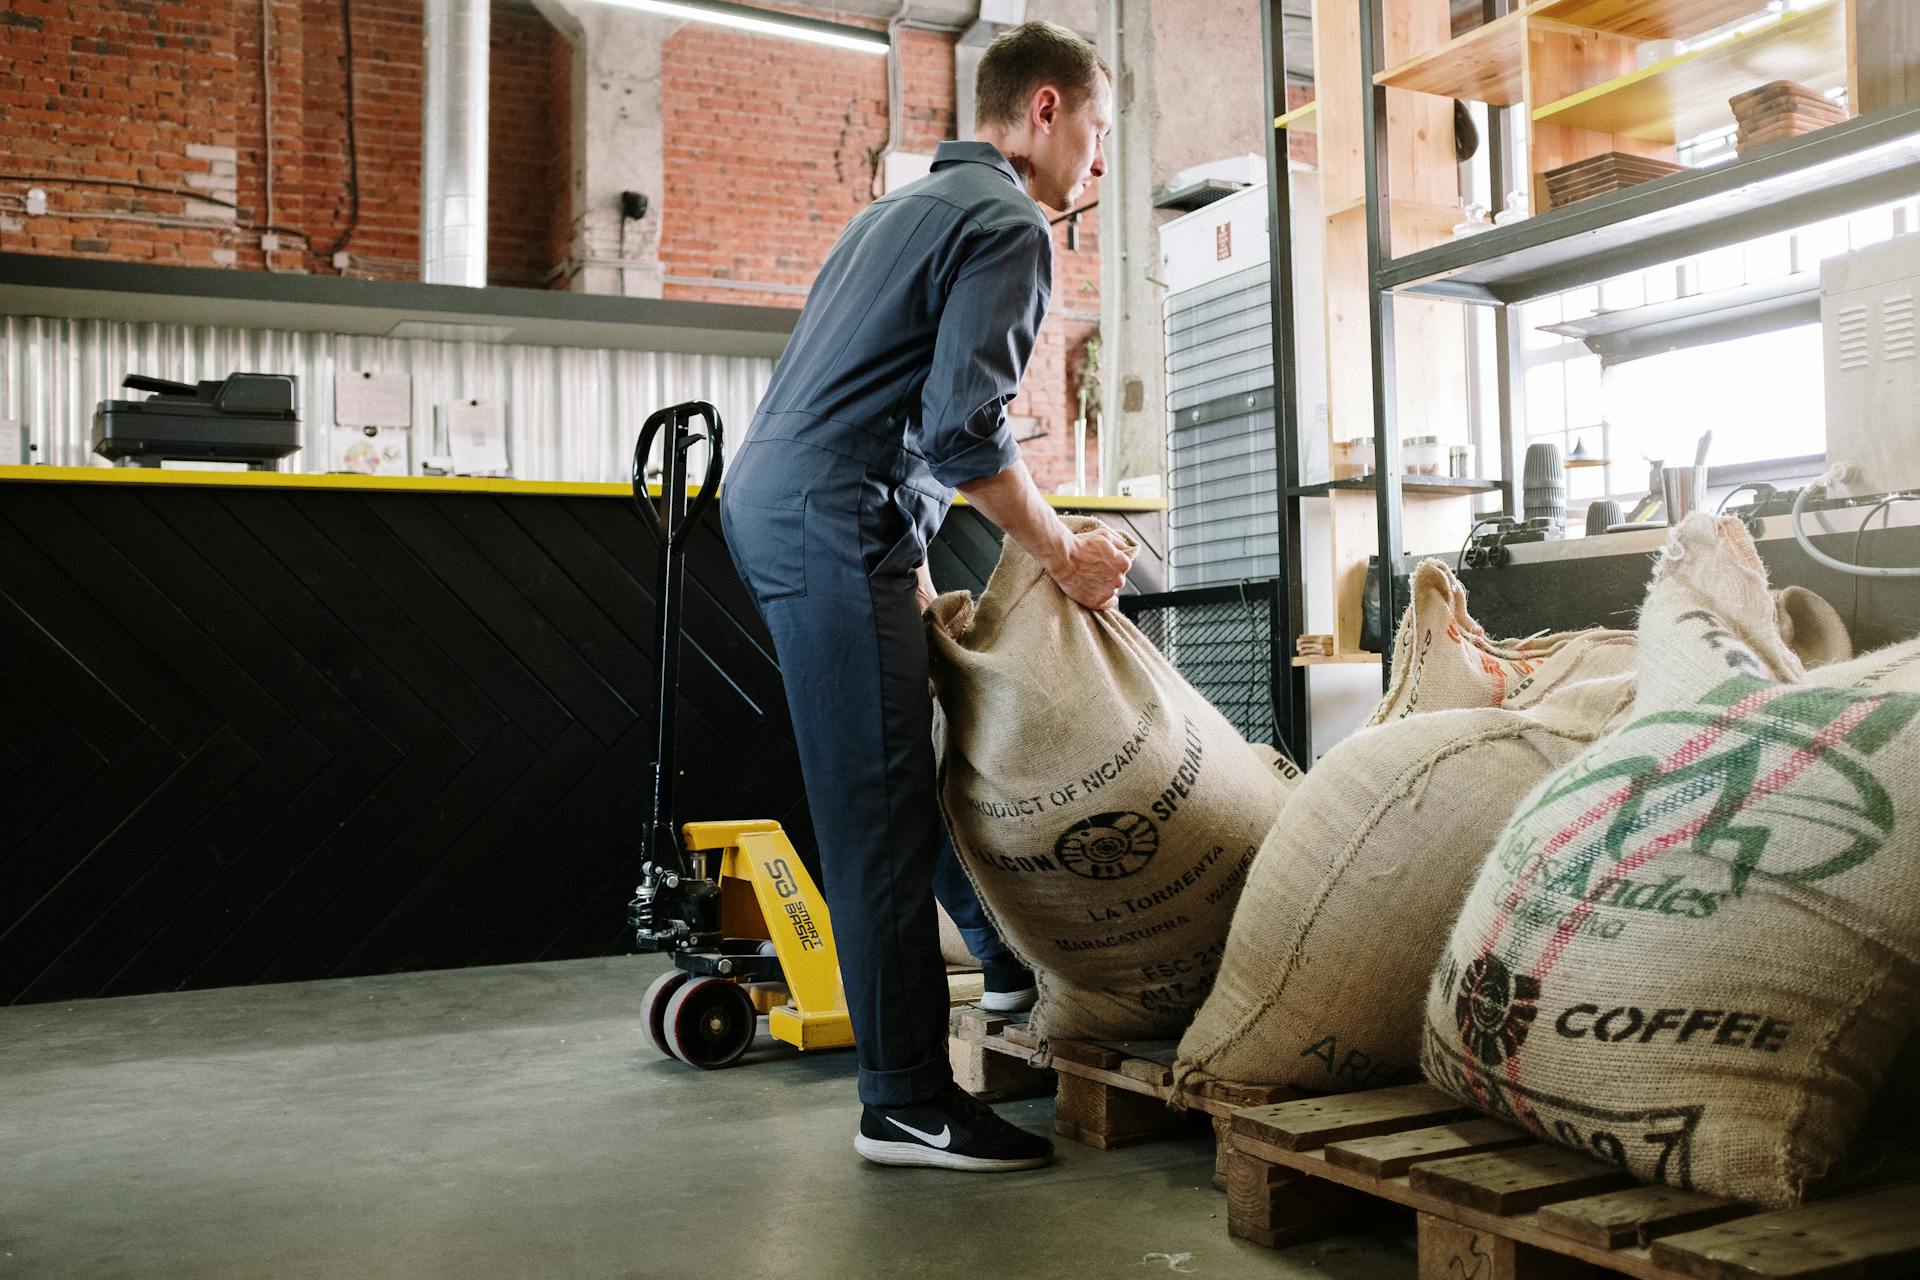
x=425, y=484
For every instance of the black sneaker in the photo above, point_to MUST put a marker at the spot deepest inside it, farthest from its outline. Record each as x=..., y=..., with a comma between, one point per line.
x=1009, y=989
x=951, y=1130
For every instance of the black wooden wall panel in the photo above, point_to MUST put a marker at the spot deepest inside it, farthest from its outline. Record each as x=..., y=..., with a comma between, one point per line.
x=253, y=735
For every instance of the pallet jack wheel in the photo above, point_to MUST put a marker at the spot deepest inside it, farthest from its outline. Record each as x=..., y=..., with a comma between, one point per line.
x=710, y=1022
x=653, y=1008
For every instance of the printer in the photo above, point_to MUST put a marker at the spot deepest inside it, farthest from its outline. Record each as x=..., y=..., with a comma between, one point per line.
x=247, y=418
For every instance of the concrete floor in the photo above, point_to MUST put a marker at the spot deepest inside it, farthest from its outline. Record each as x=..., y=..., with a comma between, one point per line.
x=513, y=1122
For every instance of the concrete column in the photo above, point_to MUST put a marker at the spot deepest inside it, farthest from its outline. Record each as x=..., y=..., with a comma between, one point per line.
x=1188, y=89
x=617, y=143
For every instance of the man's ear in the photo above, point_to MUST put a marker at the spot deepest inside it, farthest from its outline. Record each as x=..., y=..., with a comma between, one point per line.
x=1046, y=108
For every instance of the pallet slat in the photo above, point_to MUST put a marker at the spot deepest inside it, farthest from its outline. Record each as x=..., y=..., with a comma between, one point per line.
x=1876, y=1233
x=1449, y=1251
x=1637, y=1215
x=1514, y=1181
x=1307, y=1123
x=1277, y=1207
x=1388, y=1155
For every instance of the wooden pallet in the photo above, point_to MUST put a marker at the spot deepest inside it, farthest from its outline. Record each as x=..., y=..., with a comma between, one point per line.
x=1493, y=1203
x=1107, y=1094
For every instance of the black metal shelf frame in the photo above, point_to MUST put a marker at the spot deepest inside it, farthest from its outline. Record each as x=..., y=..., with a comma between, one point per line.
x=1839, y=170
x=1387, y=482
x=1448, y=485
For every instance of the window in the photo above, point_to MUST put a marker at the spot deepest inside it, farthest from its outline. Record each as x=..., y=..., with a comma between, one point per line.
x=1762, y=394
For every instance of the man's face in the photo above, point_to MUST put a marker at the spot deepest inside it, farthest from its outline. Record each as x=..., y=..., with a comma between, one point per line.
x=1072, y=152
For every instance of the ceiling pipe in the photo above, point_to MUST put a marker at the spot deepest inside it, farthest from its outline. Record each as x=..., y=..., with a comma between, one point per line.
x=453, y=162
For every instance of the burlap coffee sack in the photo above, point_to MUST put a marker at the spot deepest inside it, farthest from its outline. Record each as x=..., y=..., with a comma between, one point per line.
x=1356, y=889
x=1444, y=661
x=953, y=947
x=1811, y=627
x=1106, y=812
x=1694, y=949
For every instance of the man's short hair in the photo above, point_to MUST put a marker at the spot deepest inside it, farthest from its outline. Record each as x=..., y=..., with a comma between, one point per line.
x=1022, y=59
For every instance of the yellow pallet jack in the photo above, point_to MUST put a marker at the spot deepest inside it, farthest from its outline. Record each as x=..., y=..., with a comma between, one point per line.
x=731, y=902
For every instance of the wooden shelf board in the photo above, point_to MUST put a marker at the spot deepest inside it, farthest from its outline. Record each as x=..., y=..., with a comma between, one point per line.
x=1302, y=119
x=1483, y=65
x=1412, y=218
x=1334, y=660
x=1648, y=19
x=1686, y=96
x=1868, y=161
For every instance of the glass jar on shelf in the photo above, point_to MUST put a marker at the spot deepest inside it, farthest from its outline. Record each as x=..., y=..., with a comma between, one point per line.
x=1424, y=456
x=1353, y=459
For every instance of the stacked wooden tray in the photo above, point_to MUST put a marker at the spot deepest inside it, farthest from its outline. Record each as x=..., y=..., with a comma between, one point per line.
x=1603, y=175
x=1780, y=110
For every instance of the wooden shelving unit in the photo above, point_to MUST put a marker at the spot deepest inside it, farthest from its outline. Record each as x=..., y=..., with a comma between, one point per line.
x=1580, y=76
x=1647, y=19
x=1686, y=95
x=1852, y=166
x=1302, y=119
x=1484, y=65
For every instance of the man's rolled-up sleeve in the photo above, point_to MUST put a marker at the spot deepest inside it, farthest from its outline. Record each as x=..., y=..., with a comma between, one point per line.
x=987, y=330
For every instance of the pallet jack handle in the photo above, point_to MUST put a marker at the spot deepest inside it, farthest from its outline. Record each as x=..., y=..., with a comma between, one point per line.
x=669, y=523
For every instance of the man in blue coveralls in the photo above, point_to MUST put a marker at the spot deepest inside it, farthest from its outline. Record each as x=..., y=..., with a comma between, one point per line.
x=892, y=393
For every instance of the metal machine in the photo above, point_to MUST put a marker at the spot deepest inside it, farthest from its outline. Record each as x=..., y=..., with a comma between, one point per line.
x=731, y=902
x=245, y=418
x=1870, y=315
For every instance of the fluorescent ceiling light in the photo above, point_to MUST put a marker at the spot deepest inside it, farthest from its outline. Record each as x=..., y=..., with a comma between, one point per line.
x=765, y=22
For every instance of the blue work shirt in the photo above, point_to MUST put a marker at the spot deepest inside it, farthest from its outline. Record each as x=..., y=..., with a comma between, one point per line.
x=919, y=326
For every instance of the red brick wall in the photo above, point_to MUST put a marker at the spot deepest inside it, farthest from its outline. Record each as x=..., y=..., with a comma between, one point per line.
x=526, y=173
x=157, y=93
x=771, y=148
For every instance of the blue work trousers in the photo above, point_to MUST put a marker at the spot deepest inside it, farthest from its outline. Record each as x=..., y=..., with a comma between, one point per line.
x=828, y=546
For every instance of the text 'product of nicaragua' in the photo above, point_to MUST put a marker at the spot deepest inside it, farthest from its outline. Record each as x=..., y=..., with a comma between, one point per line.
x=1106, y=811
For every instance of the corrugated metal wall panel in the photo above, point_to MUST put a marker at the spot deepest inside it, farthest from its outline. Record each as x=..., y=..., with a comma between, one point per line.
x=572, y=413
x=1221, y=476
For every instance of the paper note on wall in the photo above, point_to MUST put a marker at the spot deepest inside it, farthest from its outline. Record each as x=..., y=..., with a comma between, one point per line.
x=477, y=436
x=362, y=398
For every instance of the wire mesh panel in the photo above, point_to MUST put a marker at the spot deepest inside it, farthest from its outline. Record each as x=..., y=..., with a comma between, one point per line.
x=1222, y=639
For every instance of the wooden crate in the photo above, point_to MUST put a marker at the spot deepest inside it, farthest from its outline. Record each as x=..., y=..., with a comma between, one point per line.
x=1107, y=1094
x=1493, y=1203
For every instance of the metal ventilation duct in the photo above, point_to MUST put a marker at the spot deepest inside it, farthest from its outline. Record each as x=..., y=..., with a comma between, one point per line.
x=453, y=161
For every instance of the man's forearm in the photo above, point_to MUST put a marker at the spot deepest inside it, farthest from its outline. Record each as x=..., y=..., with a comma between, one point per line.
x=1011, y=500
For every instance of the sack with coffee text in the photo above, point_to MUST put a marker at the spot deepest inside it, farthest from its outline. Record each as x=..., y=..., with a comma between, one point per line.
x=1105, y=811
x=1444, y=661
x=1694, y=951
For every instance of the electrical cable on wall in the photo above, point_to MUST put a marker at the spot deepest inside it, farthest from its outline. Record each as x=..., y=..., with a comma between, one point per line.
x=1834, y=475
x=353, y=151
x=159, y=220
x=1885, y=505
x=266, y=100
x=876, y=185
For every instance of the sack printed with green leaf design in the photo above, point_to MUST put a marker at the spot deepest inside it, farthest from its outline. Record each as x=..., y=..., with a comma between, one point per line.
x=1695, y=950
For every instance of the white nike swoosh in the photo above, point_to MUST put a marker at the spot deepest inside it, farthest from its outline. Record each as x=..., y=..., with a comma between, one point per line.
x=938, y=1141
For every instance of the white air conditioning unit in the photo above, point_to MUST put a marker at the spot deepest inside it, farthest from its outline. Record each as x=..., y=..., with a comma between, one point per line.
x=1867, y=311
